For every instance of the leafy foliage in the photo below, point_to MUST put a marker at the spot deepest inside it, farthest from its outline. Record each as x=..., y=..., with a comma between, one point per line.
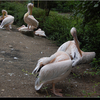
x=90, y=38
x=57, y=28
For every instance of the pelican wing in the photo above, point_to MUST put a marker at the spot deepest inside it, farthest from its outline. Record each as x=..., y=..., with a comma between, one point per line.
x=87, y=57
x=64, y=46
x=52, y=72
x=32, y=21
x=7, y=20
x=57, y=57
x=43, y=61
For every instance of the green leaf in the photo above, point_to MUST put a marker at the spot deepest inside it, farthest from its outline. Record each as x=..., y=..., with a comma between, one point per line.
x=96, y=5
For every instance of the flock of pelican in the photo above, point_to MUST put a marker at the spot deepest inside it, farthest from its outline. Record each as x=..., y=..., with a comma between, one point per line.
x=29, y=19
x=58, y=66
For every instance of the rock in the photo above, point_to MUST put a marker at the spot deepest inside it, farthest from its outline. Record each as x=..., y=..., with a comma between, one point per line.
x=15, y=58
x=2, y=90
x=1, y=58
x=27, y=47
x=10, y=46
x=2, y=51
x=10, y=62
x=10, y=74
x=41, y=52
x=12, y=49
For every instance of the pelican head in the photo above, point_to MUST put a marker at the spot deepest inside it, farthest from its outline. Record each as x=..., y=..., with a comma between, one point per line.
x=30, y=7
x=73, y=33
x=4, y=12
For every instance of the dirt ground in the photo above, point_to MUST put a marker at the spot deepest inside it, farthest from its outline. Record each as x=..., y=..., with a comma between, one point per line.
x=20, y=53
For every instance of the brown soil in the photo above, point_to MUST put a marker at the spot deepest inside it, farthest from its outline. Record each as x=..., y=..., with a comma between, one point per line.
x=19, y=52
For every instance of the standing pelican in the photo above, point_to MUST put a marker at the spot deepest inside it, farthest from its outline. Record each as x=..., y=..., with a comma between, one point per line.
x=73, y=50
x=7, y=20
x=29, y=19
x=52, y=70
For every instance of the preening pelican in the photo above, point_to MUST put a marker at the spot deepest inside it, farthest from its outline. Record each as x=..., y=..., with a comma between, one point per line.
x=3, y=13
x=56, y=57
x=29, y=19
x=52, y=70
x=7, y=20
x=73, y=50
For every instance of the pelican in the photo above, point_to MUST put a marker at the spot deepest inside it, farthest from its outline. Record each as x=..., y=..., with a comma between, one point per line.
x=7, y=20
x=53, y=58
x=40, y=32
x=73, y=50
x=22, y=28
x=52, y=70
x=29, y=19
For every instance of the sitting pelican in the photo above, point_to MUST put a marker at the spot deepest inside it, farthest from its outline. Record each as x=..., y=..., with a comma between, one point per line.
x=52, y=70
x=22, y=28
x=29, y=19
x=72, y=49
x=7, y=20
x=40, y=32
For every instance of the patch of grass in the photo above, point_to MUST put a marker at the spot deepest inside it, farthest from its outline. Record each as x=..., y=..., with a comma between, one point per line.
x=88, y=94
x=45, y=88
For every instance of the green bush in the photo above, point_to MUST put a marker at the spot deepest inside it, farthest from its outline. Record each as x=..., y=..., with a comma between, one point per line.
x=90, y=25
x=57, y=28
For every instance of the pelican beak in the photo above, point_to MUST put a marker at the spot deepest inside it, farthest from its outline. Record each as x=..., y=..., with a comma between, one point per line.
x=77, y=45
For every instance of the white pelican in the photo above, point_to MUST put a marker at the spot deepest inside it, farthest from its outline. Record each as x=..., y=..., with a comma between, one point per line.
x=40, y=32
x=22, y=28
x=7, y=20
x=29, y=19
x=52, y=70
x=53, y=58
x=72, y=48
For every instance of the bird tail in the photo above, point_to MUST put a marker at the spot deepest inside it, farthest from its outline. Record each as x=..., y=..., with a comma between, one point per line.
x=1, y=26
x=38, y=84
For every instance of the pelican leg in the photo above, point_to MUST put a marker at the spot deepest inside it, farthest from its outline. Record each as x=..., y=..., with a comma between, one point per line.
x=29, y=28
x=56, y=91
x=8, y=28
